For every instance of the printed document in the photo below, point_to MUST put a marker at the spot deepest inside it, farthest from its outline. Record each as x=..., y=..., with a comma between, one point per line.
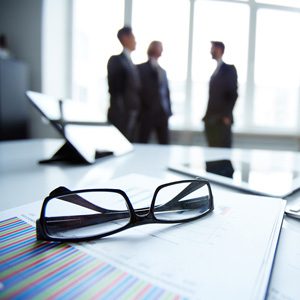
x=227, y=254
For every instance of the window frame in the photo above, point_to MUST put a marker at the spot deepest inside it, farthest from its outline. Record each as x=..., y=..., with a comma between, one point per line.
x=248, y=102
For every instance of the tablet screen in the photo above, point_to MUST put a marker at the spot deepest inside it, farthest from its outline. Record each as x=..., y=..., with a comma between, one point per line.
x=252, y=176
x=86, y=140
x=94, y=141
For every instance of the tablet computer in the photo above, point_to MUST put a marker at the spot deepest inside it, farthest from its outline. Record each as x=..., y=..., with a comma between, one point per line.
x=249, y=176
x=85, y=141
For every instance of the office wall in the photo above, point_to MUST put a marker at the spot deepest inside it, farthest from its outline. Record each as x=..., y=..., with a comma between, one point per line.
x=21, y=22
x=57, y=47
x=39, y=34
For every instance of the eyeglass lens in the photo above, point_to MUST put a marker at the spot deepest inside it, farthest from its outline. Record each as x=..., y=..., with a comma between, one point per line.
x=182, y=201
x=86, y=214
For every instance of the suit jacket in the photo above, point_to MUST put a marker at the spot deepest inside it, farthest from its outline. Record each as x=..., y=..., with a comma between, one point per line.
x=123, y=83
x=222, y=94
x=155, y=93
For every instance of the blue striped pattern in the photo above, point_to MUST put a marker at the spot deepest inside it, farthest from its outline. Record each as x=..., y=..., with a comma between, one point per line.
x=30, y=269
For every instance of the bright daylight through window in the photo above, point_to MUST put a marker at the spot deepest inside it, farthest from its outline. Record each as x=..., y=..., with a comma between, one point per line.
x=261, y=39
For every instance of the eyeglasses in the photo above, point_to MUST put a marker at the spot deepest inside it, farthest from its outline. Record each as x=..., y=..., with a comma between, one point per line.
x=82, y=215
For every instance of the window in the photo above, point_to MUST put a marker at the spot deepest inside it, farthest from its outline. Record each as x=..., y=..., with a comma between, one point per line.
x=261, y=39
x=287, y=3
x=95, y=26
x=277, y=72
x=226, y=22
x=149, y=22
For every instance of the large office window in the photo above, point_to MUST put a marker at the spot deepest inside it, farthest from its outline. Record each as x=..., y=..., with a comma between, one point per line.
x=218, y=21
x=150, y=22
x=287, y=3
x=95, y=24
x=261, y=39
x=277, y=69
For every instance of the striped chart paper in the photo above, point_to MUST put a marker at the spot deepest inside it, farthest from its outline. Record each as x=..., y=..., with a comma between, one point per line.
x=30, y=269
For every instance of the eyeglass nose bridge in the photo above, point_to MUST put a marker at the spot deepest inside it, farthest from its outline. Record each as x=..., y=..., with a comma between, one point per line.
x=143, y=217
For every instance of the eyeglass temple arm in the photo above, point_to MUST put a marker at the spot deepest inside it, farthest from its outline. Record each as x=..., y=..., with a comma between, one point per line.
x=76, y=199
x=193, y=186
x=77, y=221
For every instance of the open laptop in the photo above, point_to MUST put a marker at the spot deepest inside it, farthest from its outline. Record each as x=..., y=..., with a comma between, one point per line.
x=254, y=176
x=84, y=141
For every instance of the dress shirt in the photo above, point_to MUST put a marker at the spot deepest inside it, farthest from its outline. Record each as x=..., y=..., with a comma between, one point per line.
x=127, y=53
x=156, y=67
x=219, y=63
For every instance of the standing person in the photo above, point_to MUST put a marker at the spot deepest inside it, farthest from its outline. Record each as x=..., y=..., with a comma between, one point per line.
x=218, y=118
x=124, y=84
x=155, y=97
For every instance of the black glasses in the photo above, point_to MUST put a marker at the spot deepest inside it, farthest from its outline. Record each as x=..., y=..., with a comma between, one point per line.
x=72, y=216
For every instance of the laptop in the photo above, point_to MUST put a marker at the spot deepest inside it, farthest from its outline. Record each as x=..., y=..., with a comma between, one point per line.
x=254, y=176
x=85, y=141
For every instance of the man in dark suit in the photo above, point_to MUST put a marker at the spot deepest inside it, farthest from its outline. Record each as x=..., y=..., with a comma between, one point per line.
x=223, y=86
x=155, y=97
x=124, y=85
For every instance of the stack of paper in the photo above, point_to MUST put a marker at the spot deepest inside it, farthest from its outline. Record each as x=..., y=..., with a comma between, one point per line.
x=225, y=255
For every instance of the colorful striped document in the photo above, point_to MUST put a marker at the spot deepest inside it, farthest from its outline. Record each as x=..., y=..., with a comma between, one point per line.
x=30, y=269
x=195, y=260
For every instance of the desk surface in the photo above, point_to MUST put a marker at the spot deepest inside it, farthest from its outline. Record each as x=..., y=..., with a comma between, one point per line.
x=23, y=180
x=19, y=167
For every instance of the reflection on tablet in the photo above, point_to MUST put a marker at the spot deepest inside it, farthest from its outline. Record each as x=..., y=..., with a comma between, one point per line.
x=221, y=167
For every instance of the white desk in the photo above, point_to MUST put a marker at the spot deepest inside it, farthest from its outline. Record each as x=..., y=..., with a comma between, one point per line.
x=23, y=180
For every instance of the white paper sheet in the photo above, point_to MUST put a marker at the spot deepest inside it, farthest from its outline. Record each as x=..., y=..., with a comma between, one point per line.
x=285, y=277
x=225, y=255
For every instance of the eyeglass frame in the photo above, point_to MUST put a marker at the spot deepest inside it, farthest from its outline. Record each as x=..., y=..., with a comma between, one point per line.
x=134, y=220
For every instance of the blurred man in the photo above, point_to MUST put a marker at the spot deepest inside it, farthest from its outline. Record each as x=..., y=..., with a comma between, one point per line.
x=218, y=118
x=155, y=97
x=124, y=85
